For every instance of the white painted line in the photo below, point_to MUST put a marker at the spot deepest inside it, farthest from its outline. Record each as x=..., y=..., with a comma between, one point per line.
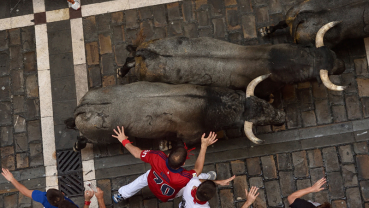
x=78, y=42
x=44, y=87
x=48, y=141
x=5, y=24
x=133, y=4
x=57, y=15
x=22, y=21
x=38, y=6
x=42, y=49
x=104, y=7
x=81, y=80
x=51, y=171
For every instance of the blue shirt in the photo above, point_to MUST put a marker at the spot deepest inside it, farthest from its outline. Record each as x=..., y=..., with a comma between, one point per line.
x=40, y=196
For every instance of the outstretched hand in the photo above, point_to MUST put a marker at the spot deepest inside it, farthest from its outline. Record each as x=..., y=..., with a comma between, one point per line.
x=99, y=194
x=88, y=195
x=318, y=185
x=251, y=196
x=226, y=181
x=211, y=139
x=7, y=174
x=120, y=134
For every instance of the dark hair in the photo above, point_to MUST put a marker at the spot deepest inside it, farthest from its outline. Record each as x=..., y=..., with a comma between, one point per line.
x=54, y=197
x=67, y=204
x=325, y=205
x=70, y=123
x=177, y=157
x=206, y=190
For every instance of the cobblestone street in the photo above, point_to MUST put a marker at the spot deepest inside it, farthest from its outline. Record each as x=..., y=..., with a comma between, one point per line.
x=50, y=56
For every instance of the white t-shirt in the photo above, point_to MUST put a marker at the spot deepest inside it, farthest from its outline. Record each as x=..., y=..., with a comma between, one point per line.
x=187, y=199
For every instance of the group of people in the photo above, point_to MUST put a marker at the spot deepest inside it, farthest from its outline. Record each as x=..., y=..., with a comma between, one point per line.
x=167, y=179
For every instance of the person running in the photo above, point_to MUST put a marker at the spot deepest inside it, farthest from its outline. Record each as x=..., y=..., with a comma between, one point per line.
x=166, y=177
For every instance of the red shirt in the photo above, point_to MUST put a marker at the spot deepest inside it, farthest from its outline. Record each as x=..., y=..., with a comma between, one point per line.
x=164, y=181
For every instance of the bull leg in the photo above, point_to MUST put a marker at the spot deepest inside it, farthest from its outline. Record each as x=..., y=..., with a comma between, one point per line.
x=80, y=144
x=264, y=31
x=165, y=145
x=130, y=63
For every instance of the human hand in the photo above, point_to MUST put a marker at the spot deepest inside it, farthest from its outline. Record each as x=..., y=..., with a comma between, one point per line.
x=120, y=134
x=226, y=181
x=251, y=196
x=211, y=139
x=318, y=185
x=88, y=195
x=7, y=175
x=99, y=194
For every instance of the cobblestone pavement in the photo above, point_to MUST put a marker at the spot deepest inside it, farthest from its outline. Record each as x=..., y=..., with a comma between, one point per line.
x=326, y=133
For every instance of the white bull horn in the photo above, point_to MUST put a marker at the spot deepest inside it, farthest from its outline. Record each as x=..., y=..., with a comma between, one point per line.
x=320, y=35
x=251, y=87
x=248, y=131
x=325, y=79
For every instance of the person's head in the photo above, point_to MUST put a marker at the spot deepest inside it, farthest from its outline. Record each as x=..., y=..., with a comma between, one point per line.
x=54, y=197
x=177, y=157
x=206, y=190
x=325, y=205
x=67, y=204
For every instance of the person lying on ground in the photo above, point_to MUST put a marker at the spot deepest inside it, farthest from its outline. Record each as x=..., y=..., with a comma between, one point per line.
x=50, y=199
x=166, y=177
x=295, y=200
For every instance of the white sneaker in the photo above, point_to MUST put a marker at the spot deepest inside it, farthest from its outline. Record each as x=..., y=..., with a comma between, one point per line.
x=212, y=175
x=75, y=6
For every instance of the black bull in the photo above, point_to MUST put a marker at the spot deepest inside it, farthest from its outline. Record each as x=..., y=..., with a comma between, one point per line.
x=163, y=111
x=212, y=62
x=306, y=18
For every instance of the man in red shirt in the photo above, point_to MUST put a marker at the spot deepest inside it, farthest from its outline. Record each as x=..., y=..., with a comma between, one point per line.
x=166, y=177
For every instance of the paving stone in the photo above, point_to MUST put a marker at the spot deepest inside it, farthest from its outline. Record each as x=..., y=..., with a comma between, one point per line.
x=240, y=183
x=245, y=6
x=148, y=31
x=28, y=38
x=4, y=64
x=202, y=18
x=339, y=204
x=21, y=144
x=64, y=138
x=336, y=98
x=19, y=124
x=108, y=80
x=363, y=85
x=253, y=166
x=105, y=44
x=226, y=198
x=323, y=112
x=159, y=16
x=175, y=28
x=263, y=129
x=173, y=11
x=145, y=13
x=3, y=37
x=30, y=62
x=166, y=205
x=23, y=201
x=260, y=201
x=316, y=174
x=8, y=162
x=105, y=186
x=284, y=161
x=136, y=201
x=238, y=167
x=362, y=162
x=150, y=203
x=262, y=15
x=205, y=32
x=305, y=100
x=287, y=183
x=187, y=7
x=223, y=171
x=339, y=113
x=63, y=110
x=235, y=38
x=300, y=164
x=6, y=136
x=33, y=108
x=219, y=28
x=5, y=115
x=131, y=18
x=120, y=54
x=353, y=107
x=92, y=53
x=331, y=159
x=177, y=200
x=94, y=76
x=361, y=67
x=22, y=160
x=319, y=90
x=335, y=185
x=89, y=28
x=61, y=65
x=273, y=193
x=17, y=82
x=360, y=148
x=35, y=157
x=32, y=86
x=11, y=201
x=349, y=175
x=232, y=19
x=353, y=197
x=5, y=88
x=16, y=57
x=321, y=196
x=293, y=116
x=365, y=190
x=346, y=154
x=15, y=38
x=269, y=169
x=308, y=118
x=256, y=181
x=107, y=64
x=63, y=89
x=103, y=23
x=365, y=103
x=36, y=204
x=302, y=184
x=60, y=41
x=315, y=158
x=190, y=30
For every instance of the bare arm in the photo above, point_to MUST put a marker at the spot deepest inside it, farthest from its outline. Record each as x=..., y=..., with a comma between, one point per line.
x=300, y=193
x=251, y=196
x=205, y=142
x=135, y=151
x=88, y=196
x=21, y=188
x=100, y=197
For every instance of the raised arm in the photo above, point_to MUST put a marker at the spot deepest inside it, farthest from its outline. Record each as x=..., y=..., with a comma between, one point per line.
x=100, y=197
x=205, y=142
x=300, y=193
x=135, y=151
x=251, y=196
x=21, y=188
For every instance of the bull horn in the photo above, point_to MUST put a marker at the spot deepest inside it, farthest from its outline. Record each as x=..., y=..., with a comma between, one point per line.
x=325, y=79
x=320, y=35
x=251, y=87
x=248, y=131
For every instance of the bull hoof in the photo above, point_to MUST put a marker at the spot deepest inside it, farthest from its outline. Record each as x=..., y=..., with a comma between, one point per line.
x=165, y=145
x=264, y=31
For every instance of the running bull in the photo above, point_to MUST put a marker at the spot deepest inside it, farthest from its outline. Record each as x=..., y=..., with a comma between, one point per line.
x=212, y=62
x=305, y=19
x=159, y=110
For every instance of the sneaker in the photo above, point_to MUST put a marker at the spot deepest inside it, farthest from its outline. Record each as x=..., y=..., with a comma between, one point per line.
x=117, y=198
x=212, y=175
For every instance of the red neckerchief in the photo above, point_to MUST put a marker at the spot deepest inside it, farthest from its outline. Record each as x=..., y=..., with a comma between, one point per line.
x=188, y=151
x=193, y=194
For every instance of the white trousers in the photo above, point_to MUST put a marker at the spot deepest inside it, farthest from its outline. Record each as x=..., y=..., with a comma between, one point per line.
x=135, y=186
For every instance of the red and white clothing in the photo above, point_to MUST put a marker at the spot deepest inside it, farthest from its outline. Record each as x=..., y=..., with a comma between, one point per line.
x=162, y=180
x=187, y=198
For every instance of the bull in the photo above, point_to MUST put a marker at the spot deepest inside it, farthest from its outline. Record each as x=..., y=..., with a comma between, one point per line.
x=212, y=62
x=305, y=19
x=183, y=112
